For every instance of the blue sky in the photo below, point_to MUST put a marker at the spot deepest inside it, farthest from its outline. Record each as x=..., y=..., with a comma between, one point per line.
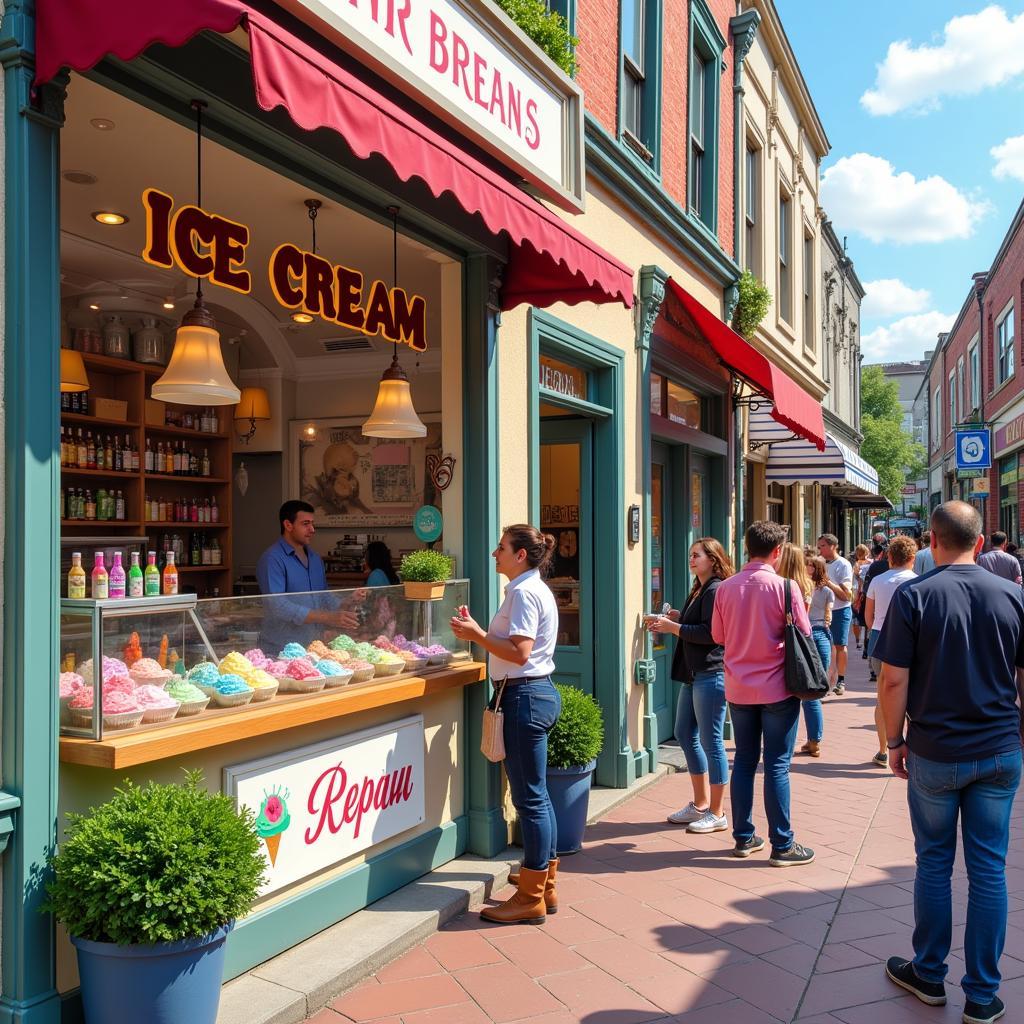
x=914, y=95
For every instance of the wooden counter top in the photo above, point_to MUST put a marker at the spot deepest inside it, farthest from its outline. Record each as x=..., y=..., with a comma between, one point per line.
x=285, y=711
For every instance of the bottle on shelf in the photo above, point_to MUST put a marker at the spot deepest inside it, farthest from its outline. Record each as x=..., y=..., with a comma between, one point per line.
x=90, y=451
x=90, y=506
x=119, y=507
x=170, y=575
x=205, y=467
x=214, y=512
x=151, y=577
x=108, y=454
x=117, y=579
x=135, y=581
x=148, y=458
x=101, y=503
x=195, y=549
x=169, y=459
x=100, y=579
x=215, y=552
x=76, y=577
x=82, y=457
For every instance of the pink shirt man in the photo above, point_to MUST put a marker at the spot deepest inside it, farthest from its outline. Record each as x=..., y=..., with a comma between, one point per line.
x=749, y=619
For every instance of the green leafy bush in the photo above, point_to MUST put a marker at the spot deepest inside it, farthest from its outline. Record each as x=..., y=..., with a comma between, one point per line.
x=578, y=735
x=753, y=303
x=548, y=29
x=156, y=864
x=425, y=567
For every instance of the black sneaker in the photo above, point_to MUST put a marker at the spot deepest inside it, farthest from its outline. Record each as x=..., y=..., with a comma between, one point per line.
x=903, y=974
x=983, y=1013
x=795, y=855
x=748, y=846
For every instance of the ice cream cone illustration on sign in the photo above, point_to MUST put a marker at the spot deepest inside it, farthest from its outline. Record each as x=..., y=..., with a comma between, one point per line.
x=273, y=820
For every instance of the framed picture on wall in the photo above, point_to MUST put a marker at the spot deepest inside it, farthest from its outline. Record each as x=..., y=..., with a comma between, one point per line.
x=356, y=482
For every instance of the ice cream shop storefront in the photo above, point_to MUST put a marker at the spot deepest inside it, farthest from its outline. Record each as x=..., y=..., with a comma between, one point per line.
x=254, y=252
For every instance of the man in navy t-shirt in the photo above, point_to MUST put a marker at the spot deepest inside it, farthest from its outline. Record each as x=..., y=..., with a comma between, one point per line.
x=953, y=652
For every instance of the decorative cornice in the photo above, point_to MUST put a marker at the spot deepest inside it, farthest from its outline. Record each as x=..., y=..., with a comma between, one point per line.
x=744, y=29
x=652, y=294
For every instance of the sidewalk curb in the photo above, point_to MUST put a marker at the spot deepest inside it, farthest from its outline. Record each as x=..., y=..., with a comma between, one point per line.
x=302, y=980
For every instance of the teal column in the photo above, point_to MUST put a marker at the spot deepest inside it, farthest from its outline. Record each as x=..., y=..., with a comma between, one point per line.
x=31, y=528
x=488, y=833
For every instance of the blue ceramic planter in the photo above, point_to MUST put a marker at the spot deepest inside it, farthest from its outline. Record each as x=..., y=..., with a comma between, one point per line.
x=166, y=983
x=569, y=789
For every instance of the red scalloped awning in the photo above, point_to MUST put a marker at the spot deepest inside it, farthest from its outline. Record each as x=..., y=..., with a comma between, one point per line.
x=549, y=261
x=793, y=407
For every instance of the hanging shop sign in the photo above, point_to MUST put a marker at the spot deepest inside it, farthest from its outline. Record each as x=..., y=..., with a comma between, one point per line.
x=979, y=487
x=469, y=64
x=319, y=805
x=974, y=449
x=207, y=245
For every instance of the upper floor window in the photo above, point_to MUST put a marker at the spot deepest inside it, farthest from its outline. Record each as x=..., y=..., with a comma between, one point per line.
x=641, y=76
x=809, y=324
x=952, y=400
x=785, y=258
x=960, y=389
x=975, y=367
x=752, y=210
x=1004, y=347
x=936, y=419
x=706, y=47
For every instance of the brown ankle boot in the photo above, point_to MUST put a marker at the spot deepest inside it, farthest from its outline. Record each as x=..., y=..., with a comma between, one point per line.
x=526, y=906
x=550, y=896
x=814, y=748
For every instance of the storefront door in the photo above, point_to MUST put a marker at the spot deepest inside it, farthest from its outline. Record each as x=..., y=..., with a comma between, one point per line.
x=567, y=504
x=662, y=589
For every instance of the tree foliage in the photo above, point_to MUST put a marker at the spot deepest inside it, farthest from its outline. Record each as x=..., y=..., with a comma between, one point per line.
x=887, y=445
x=548, y=29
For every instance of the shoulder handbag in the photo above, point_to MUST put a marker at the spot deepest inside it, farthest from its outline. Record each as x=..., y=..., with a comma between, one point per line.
x=492, y=735
x=805, y=676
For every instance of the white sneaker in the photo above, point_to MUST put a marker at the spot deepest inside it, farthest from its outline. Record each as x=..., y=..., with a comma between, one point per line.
x=686, y=815
x=709, y=822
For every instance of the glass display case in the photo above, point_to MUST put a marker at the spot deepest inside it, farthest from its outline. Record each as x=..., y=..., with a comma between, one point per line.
x=168, y=661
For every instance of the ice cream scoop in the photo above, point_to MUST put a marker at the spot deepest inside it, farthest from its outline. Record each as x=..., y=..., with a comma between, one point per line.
x=184, y=692
x=120, y=684
x=111, y=667
x=257, y=658
x=259, y=678
x=70, y=683
x=203, y=674
x=119, y=703
x=318, y=649
x=152, y=697
x=83, y=698
x=235, y=664
x=147, y=670
x=231, y=683
x=302, y=668
x=292, y=650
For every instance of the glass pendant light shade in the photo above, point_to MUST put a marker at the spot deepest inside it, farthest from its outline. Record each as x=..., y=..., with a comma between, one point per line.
x=196, y=374
x=253, y=405
x=72, y=371
x=394, y=414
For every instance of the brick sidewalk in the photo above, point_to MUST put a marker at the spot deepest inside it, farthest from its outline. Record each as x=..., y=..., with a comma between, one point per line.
x=659, y=925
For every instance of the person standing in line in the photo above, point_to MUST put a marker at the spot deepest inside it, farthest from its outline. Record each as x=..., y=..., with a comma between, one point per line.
x=1014, y=551
x=749, y=620
x=820, y=614
x=901, y=561
x=521, y=645
x=378, y=566
x=700, y=713
x=792, y=565
x=840, y=582
x=961, y=754
x=924, y=560
x=880, y=564
x=861, y=561
x=997, y=560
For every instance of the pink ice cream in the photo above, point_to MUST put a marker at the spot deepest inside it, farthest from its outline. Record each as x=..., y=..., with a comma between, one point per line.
x=111, y=667
x=70, y=683
x=118, y=703
x=257, y=658
x=147, y=670
x=83, y=698
x=302, y=668
x=277, y=668
x=152, y=697
x=118, y=684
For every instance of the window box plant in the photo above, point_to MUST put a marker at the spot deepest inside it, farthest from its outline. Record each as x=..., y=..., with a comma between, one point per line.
x=424, y=574
x=148, y=885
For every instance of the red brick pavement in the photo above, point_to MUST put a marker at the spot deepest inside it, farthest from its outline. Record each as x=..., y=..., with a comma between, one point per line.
x=659, y=925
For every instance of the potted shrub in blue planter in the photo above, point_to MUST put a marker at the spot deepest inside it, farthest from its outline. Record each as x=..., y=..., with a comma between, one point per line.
x=148, y=885
x=573, y=745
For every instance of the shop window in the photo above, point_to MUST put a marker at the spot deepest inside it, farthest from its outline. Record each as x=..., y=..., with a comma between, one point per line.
x=1009, y=473
x=706, y=48
x=809, y=291
x=1004, y=347
x=776, y=503
x=683, y=405
x=657, y=385
x=640, y=110
x=972, y=357
x=752, y=210
x=785, y=258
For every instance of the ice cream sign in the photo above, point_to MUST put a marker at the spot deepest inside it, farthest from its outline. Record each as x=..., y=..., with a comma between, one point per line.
x=319, y=805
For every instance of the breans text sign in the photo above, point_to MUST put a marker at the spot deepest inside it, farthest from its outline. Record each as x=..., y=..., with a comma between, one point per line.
x=319, y=805
x=209, y=246
x=465, y=61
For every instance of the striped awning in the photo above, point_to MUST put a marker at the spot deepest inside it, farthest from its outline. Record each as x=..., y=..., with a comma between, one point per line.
x=793, y=460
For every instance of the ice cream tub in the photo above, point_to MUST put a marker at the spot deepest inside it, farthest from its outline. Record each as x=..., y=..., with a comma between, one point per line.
x=192, y=707
x=264, y=693
x=290, y=685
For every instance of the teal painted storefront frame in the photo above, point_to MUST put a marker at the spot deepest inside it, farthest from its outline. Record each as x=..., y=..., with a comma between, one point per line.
x=618, y=764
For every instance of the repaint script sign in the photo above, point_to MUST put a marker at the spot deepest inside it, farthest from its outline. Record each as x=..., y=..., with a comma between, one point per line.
x=319, y=805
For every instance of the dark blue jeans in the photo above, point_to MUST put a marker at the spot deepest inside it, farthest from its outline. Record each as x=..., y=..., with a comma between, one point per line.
x=531, y=709
x=981, y=794
x=776, y=724
x=814, y=718
x=700, y=725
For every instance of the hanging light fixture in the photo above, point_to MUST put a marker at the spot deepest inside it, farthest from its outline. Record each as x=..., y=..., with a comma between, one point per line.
x=72, y=371
x=252, y=406
x=394, y=415
x=300, y=316
x=196, y=374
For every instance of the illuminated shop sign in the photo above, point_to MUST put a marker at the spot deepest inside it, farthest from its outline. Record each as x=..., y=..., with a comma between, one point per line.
x=207, y=245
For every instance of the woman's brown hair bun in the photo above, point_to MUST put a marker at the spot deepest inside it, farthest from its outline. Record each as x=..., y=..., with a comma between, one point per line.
x=539, y=547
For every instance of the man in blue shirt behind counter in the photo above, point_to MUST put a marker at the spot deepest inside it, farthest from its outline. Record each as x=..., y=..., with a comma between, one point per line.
x=291, y=566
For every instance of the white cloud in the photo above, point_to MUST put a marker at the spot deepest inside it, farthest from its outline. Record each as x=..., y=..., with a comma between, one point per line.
x=908, y=338
x=977, y=51
x=1009, y=156
x=889, y=296
x=864, y=193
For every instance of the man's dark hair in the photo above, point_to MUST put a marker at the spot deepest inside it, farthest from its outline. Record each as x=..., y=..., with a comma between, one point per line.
x=880, y=538
x=763, y=537
x=998, y=539
x=290, y=509
x=877, y=550
x=956, y=525
x=926, y=537
x=830, y=538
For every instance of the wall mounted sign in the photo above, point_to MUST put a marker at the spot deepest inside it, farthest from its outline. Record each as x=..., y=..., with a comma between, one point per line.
x=212, y=247
x=470, y=65
x=428, y=523
x=1010, y=435
x=319, y=805
x=562, y=378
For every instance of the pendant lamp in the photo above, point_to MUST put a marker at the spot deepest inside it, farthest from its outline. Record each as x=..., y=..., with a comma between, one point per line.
x=394, y=415
x=196, y=374
x=72, y=371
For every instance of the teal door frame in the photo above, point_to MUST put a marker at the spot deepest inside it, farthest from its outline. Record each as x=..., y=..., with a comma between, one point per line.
x=664, y=692
x=617, y=765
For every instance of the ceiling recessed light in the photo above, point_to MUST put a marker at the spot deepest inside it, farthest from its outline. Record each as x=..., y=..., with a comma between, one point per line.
x=168, y=303
x=302, y=318
x=93, y=305
x=109, y=217
x=80, y=177
x=102, y=124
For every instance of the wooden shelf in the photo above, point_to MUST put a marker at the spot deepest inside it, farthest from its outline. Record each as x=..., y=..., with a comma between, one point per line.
x=133, y=523
x=83, y=418
x=158, y=523
x=203, y=568
x=120, y=750
x=183, y=479
x=112, y=365
x=119, y=473
x=183, y=432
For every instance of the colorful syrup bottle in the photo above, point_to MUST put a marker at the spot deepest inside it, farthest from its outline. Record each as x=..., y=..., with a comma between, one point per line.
x=151, y=577
x=135, y=582
x=100, y=579
x=117, y=579
x=76, y=578
x=170, y=575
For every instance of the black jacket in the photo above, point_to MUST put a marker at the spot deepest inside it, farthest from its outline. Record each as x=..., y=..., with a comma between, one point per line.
x=696, y=651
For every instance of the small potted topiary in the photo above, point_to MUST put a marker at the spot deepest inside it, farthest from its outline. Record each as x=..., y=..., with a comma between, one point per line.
x=573, y=745
x=148, y=885
x=424, y=574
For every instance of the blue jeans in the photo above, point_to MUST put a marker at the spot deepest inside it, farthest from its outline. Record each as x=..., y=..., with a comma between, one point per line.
x=700, y=724
x=776, y=723
x=814, y=719
x=981, y=793
x=531, y=709
x=841, y=619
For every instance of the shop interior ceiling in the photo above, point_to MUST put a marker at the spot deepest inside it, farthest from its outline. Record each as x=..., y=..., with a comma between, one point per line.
x=107, y=168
